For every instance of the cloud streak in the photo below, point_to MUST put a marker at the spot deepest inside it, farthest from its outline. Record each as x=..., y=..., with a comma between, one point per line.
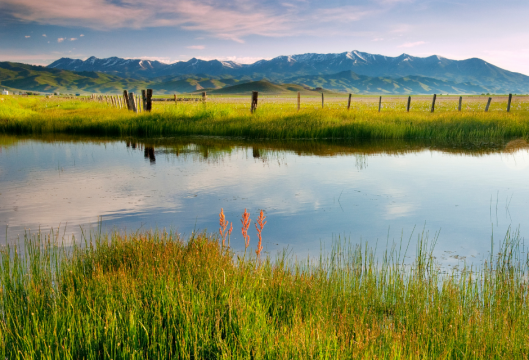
x=231, y=20
x=412, y=44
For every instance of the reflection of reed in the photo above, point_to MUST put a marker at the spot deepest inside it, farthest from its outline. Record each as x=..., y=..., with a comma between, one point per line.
x=515, y=145
x=214, y=148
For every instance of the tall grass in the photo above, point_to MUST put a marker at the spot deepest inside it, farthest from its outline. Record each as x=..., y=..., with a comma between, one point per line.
x=153, y=295
x=273, y=120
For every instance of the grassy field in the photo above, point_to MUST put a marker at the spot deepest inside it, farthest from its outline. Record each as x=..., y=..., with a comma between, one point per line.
x=276, y=118
x=152, y=295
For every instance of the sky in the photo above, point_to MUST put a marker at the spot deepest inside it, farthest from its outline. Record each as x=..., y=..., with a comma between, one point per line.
x=39, y=32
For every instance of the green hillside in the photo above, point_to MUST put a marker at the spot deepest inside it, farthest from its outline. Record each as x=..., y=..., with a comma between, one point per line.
x=37, y=78
x=348, y=81
x=266, y=87
x=189, y=84
x=16, y=76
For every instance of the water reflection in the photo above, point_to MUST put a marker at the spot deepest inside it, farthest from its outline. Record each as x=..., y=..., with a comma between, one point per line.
x=311, y=191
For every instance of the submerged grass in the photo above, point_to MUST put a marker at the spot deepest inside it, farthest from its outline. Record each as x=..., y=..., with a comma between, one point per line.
x=153, y=295
x=273, y=120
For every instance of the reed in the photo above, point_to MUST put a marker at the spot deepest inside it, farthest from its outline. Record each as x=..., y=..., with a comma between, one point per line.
x=153, y=295
x=273, y=120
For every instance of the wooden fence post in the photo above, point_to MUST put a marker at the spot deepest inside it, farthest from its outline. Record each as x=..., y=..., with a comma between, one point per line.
x=433, y=102
x=143, y=98
x=349, y=102
x=408, y=105
x=204, y=97
x=322, y=101
x=299, y=100
x=148, y=101
x=379, y=103
x=509, y=103
x=138, y=103
x=126, y=98
x=460, y=103
x=488, y=104
x=132, y=100
x=255, y=96
x=175, y=100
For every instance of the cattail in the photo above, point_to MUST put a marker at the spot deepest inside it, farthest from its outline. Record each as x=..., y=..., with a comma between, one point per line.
x=223, y=226
x=245, y=226
x=260, y=221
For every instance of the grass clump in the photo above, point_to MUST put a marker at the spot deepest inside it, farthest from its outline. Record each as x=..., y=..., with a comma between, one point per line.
x=273, y=120
x=153, y=295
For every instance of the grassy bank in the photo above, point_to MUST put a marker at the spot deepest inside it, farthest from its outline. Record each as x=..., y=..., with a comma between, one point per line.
x=273, y=120
x=152, y=295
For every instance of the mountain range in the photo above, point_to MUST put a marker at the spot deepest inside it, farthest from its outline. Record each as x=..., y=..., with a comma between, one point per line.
x=351, y=72
x=283, y=68
x=44, y=79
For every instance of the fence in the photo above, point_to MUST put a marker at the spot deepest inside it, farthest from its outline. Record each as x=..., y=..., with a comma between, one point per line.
x=144, y=104
x=130, y=101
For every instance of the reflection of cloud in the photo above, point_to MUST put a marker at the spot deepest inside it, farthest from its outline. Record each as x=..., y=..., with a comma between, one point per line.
x=398, y=210
x=75, y=200
x=516, y=160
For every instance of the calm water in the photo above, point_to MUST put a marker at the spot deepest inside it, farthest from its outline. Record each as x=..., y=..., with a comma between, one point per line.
x=310, y=192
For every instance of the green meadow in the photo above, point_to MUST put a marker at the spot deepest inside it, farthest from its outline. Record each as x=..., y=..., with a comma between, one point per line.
x=153, y=295
x=277, y=118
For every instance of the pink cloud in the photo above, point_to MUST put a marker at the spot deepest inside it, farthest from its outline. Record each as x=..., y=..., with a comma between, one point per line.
x=412, y=44
x=233, y=20
x=196, y=47
x=224, y=22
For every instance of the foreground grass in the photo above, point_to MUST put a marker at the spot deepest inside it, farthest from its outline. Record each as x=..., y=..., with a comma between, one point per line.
x=152, y=295
x=273, y=120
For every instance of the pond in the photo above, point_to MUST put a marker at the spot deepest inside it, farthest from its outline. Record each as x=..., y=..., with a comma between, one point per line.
x=312, y=193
